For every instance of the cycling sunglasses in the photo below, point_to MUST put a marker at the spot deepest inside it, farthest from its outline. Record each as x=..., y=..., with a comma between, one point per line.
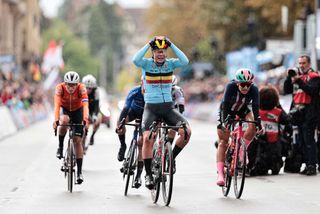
x=245, y=84
x=71, y=85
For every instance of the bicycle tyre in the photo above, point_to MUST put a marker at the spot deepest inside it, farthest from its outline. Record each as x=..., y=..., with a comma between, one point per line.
x=70, y=165
x=167, y=174
x=156, y=173
x=240, y=169
x=129, y=166
x=227, y=170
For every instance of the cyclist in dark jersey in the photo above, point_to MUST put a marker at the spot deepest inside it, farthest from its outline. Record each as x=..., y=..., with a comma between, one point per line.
x=94, y=111
x=238, y=95
x=157, y=76
x=132, y=110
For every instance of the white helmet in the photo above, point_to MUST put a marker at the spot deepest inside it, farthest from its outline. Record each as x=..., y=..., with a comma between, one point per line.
x=89, y=81
x=174, y=80
x=71, y=77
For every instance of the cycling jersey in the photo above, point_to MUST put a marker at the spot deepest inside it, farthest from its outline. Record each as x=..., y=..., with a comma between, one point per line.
x=94, y=102
x=71, y=102
x=158, y=79
x=134, y=103
x=234, y=101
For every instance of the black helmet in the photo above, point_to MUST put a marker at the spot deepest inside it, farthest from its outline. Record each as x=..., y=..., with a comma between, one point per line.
x=159, y=44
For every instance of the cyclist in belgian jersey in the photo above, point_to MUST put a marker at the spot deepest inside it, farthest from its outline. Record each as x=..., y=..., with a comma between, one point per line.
x=94, y=111
x=132, y=110
x=72, y=97
x=238, y=95
x=157, y=77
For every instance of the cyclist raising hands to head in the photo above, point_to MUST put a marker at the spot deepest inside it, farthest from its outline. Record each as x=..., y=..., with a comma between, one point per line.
x=238, y=95
x=157, y=77
x=72, y=97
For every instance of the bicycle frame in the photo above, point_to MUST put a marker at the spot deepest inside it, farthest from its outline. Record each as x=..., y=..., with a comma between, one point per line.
x=162, y=162
x=233, y=164
x=69, y=158
x=131, y=160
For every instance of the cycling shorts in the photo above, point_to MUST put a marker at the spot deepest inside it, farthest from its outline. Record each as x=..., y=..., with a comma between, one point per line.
x=165, y=111
x=133, y=115
x=76, y=117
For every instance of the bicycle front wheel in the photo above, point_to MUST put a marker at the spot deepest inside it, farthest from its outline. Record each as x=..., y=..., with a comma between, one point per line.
x=240, y=168
x=227, y=173
x=167, y=175
x=129, y=169
x=156, y=173
x=70, y=164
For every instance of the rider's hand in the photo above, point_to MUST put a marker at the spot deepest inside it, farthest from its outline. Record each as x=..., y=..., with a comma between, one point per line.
x=152, y=41
x=167, y=40
x=86, y=124
x=228, y=121
x=260, y=129
x=55, y=124
x=118, y=130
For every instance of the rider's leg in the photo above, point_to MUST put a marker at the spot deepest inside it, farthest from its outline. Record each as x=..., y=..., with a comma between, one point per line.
x=251, y=130
x=181, y=142
x=79, y=157
x=96, y=126
x=123, y=146
x=171, y=135
x=222, y=147
x=64, y=120
x=147, y=151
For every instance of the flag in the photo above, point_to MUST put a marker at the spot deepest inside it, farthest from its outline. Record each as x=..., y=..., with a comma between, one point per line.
x=52, y=57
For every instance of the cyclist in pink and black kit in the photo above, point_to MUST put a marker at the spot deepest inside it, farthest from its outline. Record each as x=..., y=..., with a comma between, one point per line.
x=238, y=96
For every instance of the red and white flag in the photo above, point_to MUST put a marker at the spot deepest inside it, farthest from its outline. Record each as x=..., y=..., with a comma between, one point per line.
x=52, y=57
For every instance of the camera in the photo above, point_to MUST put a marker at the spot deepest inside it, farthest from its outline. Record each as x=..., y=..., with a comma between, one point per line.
x=293, y=72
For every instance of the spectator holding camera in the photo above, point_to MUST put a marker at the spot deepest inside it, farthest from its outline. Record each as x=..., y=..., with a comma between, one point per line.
x=304, y=85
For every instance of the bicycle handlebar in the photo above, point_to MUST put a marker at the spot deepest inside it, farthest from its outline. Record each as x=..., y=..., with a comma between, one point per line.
x=154, y=128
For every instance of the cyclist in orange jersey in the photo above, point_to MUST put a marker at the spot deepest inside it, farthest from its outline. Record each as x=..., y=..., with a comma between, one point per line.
x=72, y=97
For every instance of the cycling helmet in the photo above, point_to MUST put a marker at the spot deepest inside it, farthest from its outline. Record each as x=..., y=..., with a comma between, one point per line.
x=71, y=77
x=244, y=75
x=159, y=44
x=174, y=80
x=89, y=81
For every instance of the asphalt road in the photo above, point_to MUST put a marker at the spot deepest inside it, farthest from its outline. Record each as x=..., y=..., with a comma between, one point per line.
x=30, y=180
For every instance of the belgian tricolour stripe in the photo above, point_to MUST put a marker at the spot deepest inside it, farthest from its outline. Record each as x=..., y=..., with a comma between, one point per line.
x=152, y=78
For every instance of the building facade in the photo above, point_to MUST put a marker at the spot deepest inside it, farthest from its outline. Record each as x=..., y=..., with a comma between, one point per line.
x=20, y=30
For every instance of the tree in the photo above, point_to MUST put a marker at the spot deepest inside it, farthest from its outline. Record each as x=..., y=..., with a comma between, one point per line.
x=231, y=23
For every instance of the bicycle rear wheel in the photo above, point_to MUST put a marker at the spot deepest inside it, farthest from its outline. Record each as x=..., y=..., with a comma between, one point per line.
x=227, y=172
x=129, y=167
x=70, y=164
x=240, y=168
x=167, y=175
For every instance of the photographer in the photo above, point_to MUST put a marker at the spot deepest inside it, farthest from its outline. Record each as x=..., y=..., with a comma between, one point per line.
x=304, y=84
